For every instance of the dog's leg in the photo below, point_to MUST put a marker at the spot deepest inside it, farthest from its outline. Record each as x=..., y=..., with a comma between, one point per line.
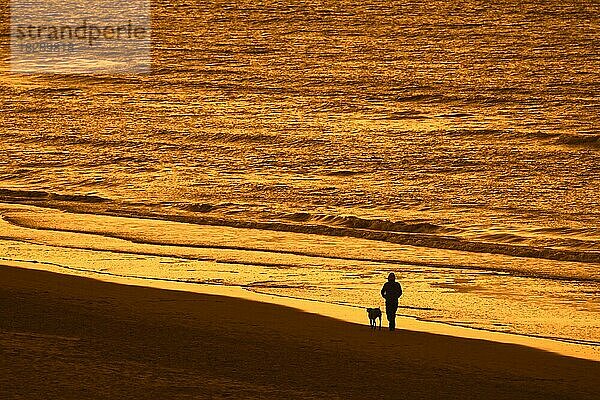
x=379, y=323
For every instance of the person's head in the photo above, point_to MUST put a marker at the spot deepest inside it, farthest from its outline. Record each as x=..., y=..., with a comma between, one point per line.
x=392, y=277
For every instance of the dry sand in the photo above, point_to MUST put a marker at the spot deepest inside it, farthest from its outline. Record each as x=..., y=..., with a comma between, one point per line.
x=65, y=337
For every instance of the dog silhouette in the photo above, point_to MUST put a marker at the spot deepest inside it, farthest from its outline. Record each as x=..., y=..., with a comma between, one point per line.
x=374, y=313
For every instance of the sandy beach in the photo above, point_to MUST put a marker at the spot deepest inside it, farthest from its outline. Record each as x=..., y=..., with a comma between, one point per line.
x=66, y=337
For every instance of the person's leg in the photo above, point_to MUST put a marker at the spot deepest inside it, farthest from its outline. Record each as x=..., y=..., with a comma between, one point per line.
x=390, y=311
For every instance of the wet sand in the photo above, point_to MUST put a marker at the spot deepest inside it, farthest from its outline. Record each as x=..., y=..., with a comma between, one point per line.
x=67, y=337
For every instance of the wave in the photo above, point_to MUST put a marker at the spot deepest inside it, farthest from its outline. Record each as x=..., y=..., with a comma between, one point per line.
x=569, y=139
x=503, y=237
x=423, y=234
x=409, y=114
x=455, y=115
x=343, y=173
x=588, y=140
x=36, y=195
x=381, y=224
x=251, y=138
x=564, y=230
x=204, y=207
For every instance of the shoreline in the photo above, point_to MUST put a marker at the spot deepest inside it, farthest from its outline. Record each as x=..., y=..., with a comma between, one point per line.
x=162, y=251
x=339, y=312
x=97, y=206
x=66, y=336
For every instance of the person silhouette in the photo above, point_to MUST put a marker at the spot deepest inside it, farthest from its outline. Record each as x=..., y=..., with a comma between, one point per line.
x=391, y=292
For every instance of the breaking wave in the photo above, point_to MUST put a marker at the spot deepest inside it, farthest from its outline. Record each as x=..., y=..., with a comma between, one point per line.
x=422, y=234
